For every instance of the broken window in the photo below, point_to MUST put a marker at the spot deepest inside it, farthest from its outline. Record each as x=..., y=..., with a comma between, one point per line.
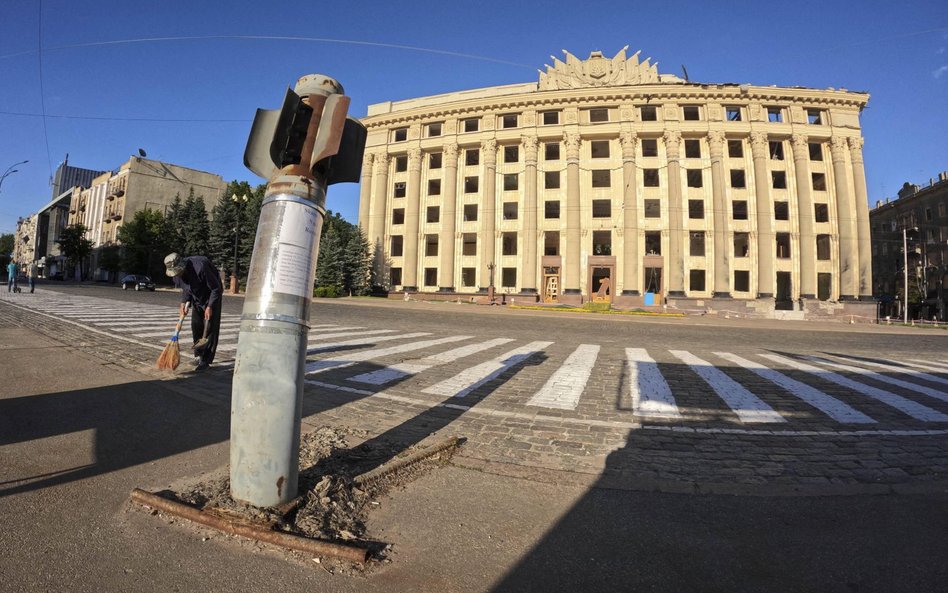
x=781, y=211
x=741, y=244
x=396, y=246
x=741, y=281
x=431, y=276
x=815, y=117
x=509, y=244
x=510, y=210
x=695, y=209
x=434, y=160
x=433, y=214
x=739, y=209
x=551, y=243
x=470, y=212
x=395, y=276
x=650, y=177
x=510, y=182
x=472, y=124
x=509, y=120
x=601, y=178
x=401, y=163
x=696, y=243
x=738, y=179
x=602, y=242
x=693, y=149
x=648, y=113
x=776, y=150
x=783, y=245
x=735, y=148
x=824, y=286
x=819, y=181
x=399, y=134
x=695, y=179
x=470, y=184
x=823, y=247
x=551, y=118
x=551, y=180
x=691, y=112
x=598, y=115
x=399, y=191
x=508, y=277
x=469, y=244
x=398, y=216
x=775, y=115
x=601, y=208
x=653, y=243
x=816, y=151
x=551, y=209
x=511, y=154
x=434, y=129
x=779, y=179
x=696, y=280
x=468, y=277
x=431, y=244
x=732, y=113
x=472, y=156
x=653, y=208
x=599, y=149
x=434, y=187
x=551, y=151
x=649, y=147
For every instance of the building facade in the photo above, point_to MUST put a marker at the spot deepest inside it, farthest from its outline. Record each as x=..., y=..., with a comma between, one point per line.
x=606, y=180
x=922, y=212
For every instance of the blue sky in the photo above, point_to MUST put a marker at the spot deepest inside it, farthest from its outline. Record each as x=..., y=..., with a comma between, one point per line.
x=191, y=101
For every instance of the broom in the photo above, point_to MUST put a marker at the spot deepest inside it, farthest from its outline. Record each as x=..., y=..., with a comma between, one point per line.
x=170, y=357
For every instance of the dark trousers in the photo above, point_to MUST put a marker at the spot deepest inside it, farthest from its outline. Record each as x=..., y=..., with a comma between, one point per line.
x=213, y=332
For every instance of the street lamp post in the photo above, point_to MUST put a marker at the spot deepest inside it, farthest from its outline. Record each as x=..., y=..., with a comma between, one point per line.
x=235, y=283
x=10, y=171
x=905, y=231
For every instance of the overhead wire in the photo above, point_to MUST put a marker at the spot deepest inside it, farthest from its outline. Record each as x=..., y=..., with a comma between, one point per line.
x=49, y=160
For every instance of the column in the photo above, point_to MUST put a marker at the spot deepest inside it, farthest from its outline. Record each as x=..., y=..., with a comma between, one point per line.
x=862, y=219
x=719, y=218
x=630, y=216
x=846, y=220
x=571, y=282
x=365, y=193
x=528, y=276
x=487, y=214
x=801, y=169
x=446, y=239
x=377, y=214
x=675, y=259
x=766, y=237
x=412, y=197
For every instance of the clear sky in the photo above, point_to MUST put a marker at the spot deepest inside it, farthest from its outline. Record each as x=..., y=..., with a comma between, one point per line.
x=181, y=78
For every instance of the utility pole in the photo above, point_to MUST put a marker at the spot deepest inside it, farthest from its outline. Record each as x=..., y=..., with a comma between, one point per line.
x=300, y=149
x=905, y=272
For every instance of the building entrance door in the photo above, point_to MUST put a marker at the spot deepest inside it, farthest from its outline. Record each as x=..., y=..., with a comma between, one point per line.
x=784, y=300
x=551, y=284
x=602, y=284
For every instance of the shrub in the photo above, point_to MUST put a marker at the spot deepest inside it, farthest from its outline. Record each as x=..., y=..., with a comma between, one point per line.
x=326, y=292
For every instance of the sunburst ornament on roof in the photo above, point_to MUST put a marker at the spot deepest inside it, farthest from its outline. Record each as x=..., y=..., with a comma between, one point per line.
x=597, y=71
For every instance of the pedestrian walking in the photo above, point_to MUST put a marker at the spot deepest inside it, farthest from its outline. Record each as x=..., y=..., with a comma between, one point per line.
x=11, y=276
x=201, y=286
x=34, y=272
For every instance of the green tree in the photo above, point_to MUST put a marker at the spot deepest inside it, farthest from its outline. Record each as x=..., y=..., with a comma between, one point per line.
x=6, y=249
x=196, y=229
x=75, y=247
x=358, y=264
x=110, y=260
x=145, y=244
x=228, y=217
x=345, y=258
x=329, y=267
x=175, y=220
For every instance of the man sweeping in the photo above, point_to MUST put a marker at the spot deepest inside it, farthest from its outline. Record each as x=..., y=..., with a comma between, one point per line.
x=201, y=286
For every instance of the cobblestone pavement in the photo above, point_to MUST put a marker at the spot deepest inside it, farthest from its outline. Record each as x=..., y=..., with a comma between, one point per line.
x=706, y=414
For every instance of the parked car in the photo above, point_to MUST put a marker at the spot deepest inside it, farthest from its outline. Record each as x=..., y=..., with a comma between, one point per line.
x=137, y=282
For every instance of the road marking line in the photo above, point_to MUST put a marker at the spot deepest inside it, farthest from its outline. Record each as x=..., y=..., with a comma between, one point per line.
x=470, y=379
x=346, y=360
x=827, y=404
x=564, y=389
x=930, y=365
x=939, y=395
x=362, y=341
x=651, y=395
x=400, y=370
x=747, y=406
x=904, y=405
x=896, y=369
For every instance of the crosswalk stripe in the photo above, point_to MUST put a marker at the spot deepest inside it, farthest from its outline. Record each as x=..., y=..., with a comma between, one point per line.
x=897, y=369
x=904, y=405
x=470, y=379
x=345, y=360
x=400, y=370
x=931, y=365
x=651, y=395
x=747, y=406
x=879, y=377
x=565, y=387
x=321, y=347
x=827, y=404
x=150, y=324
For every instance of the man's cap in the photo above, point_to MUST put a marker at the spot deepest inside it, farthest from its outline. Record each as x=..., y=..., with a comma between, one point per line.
x=174, y=264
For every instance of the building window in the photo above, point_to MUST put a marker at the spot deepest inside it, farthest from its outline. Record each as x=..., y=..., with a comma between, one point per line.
x=472, y=125
x=431, y=276
x=941, y=210
x=735, y=149
x=602, y=242
x=779, y=179
x=693, y=149
x=781, y=211
x=551, y=243
x=819, y=181
x=691, y=112
x=824, y=286
x=695, y=209
x=510, y=182
x=741, y=281
x=649, y=147
x=695, y=178
x=511, y=154
x=470, y=184
x=738, y=179
x=650, y=177
x=739, y=209
x=434, y=129
x=821, y=212
x=469, y=244
x=653, y=243
x=696, y=243
x=741, y=244
x=815, y=117
x=509, y=120
x=599, y=149
x=431, y=244
x=399, y=134
x=470, y=212
x=395, y=276
x=696, y=281
x=434, y=160
x=401, y=163
x=399, y=189
x=601, y=178
x=551, y=209
x=434, y=187
x=823, y=247
x=467, y=277
x=816, y=151
x=775, y=115
x=472, y=156
x=510, y=211
x=551, y=151
x=551, y=118
x=601, y=208
x=648, y=113
x=398, y=216
x=732, y=113
x=928, y=214
x=508, y=277
x=776, y=150
x=653, y=208
x=396, y=246
x=551, y=179
x=433, y=214
x=783, y=245
x=598, y=115
x=509, y=244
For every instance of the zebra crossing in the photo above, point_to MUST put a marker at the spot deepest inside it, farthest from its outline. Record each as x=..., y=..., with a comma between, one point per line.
x=661, y=385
